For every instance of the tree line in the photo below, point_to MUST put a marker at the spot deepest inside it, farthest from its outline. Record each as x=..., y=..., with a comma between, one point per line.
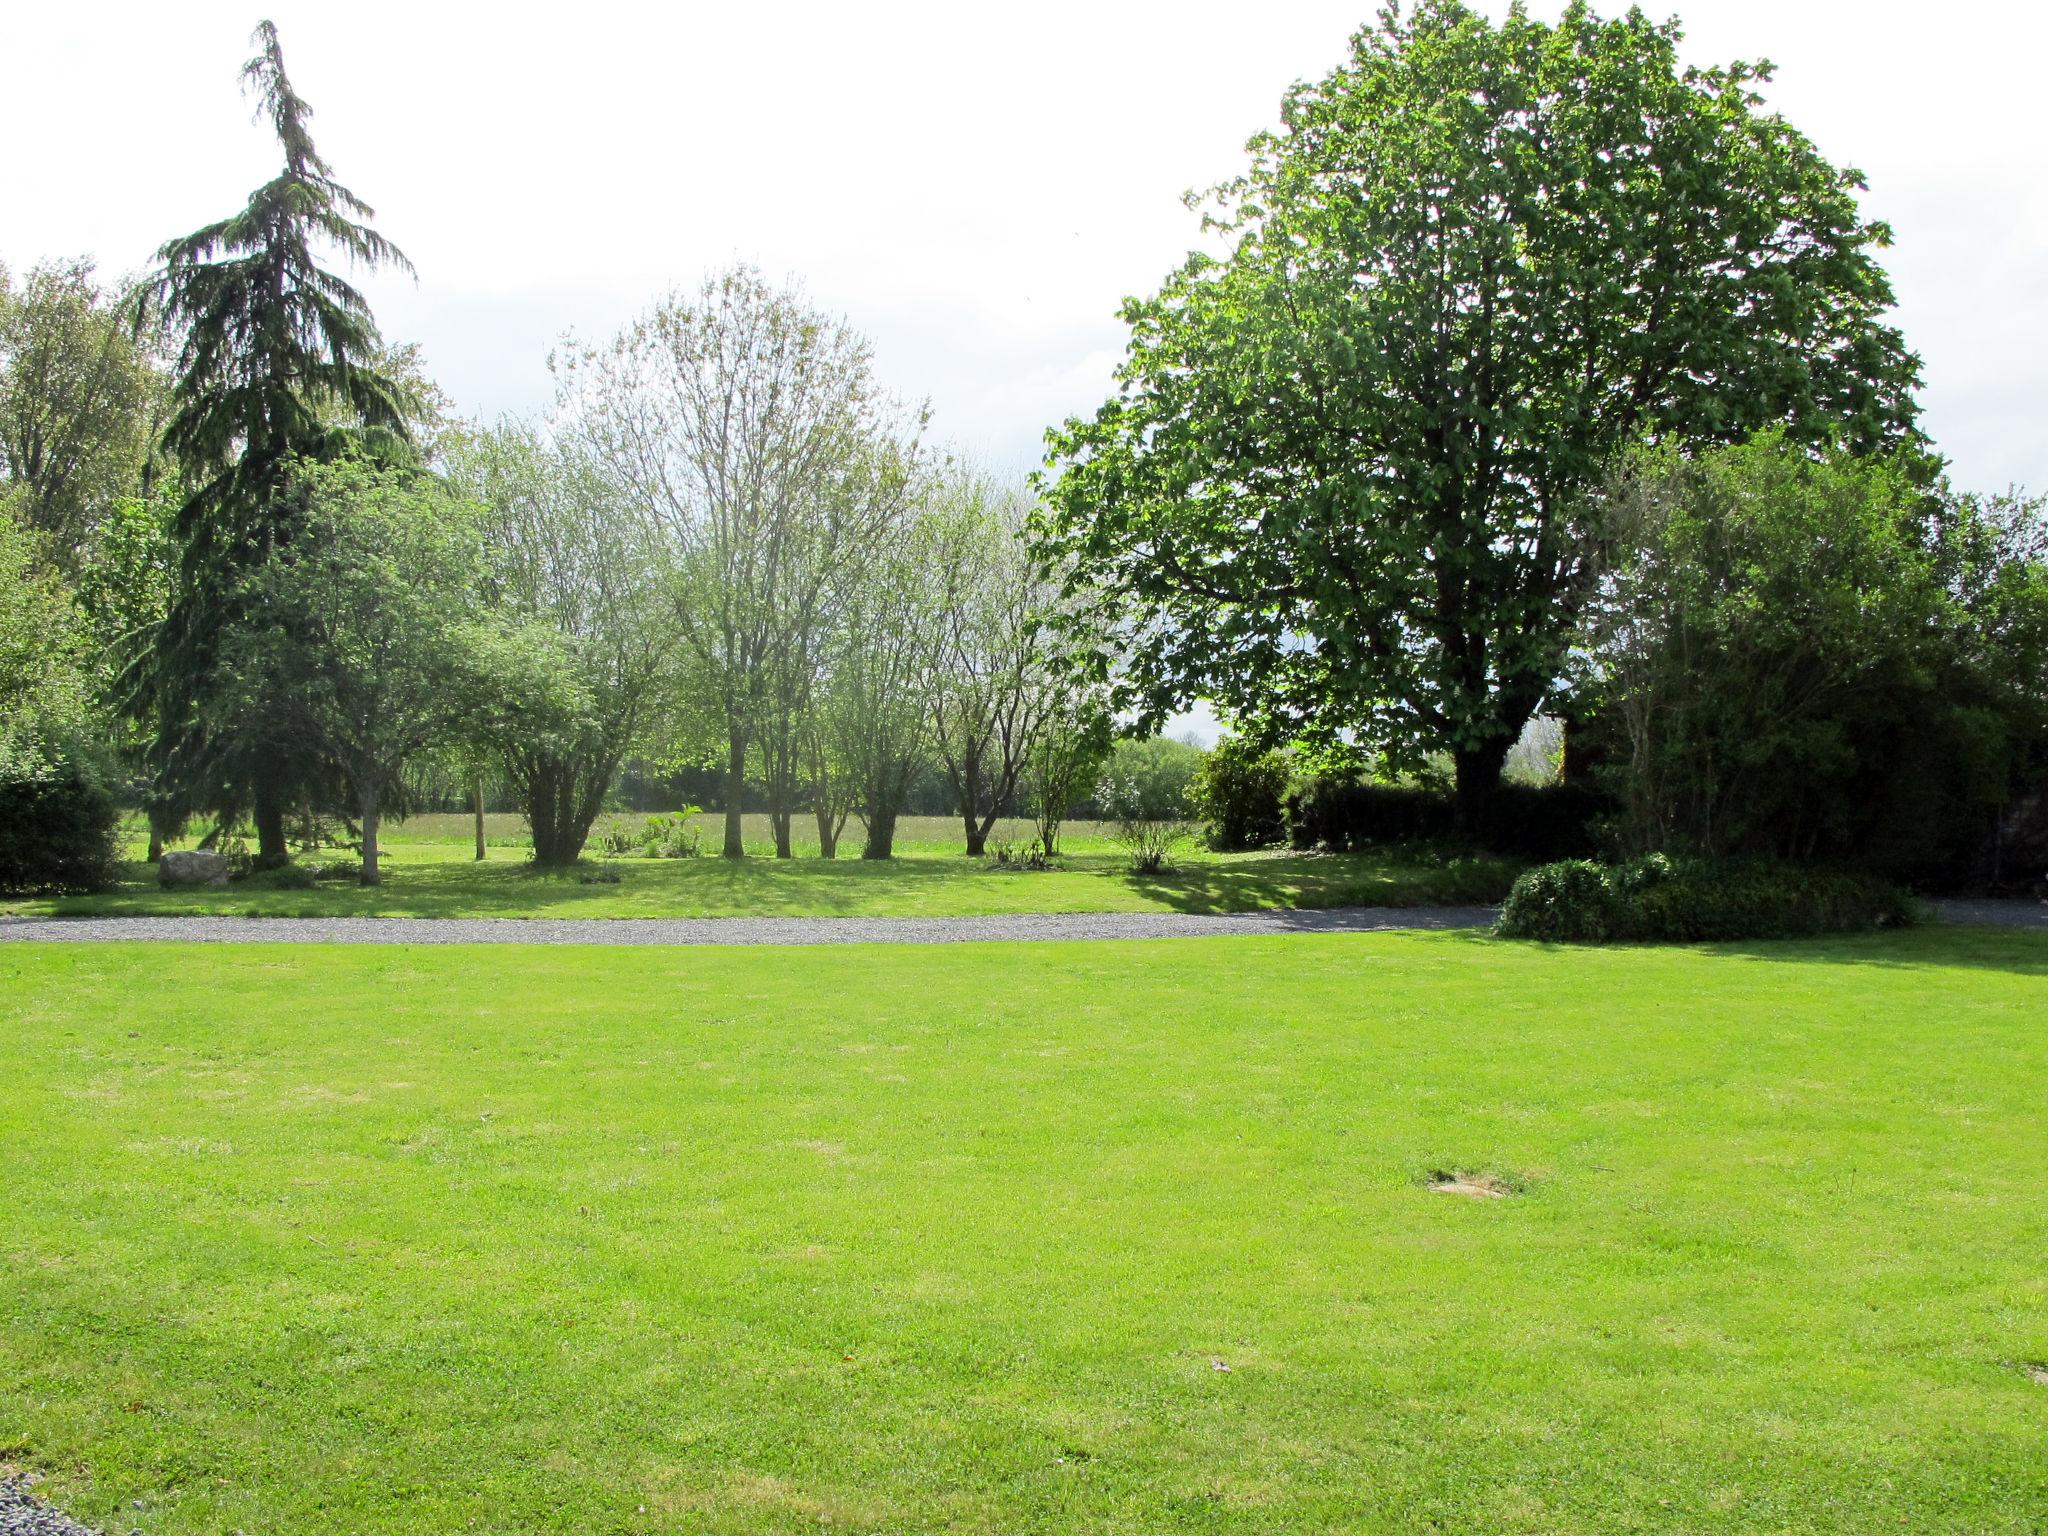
x=1533, y=374
x=725, y=542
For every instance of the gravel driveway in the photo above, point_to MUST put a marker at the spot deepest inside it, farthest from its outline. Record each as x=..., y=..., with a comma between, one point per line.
x=821, y=930
x=23, y=1514
x=737, y=930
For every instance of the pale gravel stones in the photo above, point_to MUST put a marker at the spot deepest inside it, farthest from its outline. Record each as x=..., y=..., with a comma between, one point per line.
x=738, y=930
x=23, y=1514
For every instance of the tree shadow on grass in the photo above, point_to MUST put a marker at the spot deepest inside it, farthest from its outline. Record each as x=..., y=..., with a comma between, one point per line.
x=1926, y=947
x=1320, y=881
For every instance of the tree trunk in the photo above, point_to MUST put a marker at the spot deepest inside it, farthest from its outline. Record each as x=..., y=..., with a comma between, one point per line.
x=881, y=843
x=735, y=798
x=1478, y=776
x=156, y=844
x=828, y=836
x=780, y=820
x=476, y=800
x=271, y=852
x=368, y=808
x=970, y=794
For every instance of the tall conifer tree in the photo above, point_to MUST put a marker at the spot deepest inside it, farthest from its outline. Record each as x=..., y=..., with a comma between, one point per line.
x=279, y=360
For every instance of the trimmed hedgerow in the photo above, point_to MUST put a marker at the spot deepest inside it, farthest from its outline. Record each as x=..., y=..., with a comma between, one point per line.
x=1663, y=900
x=1548, y=821
x=58, y=834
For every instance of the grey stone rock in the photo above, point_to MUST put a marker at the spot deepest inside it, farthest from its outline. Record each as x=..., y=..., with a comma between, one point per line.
x=189, y=866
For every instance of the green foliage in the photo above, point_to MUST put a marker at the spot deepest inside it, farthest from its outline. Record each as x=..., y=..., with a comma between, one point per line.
x=277, y=361
x=46, y=686
x=58, y=830
x=1340, y=810
x=360, y=636
x=1657, y=899
x=1064, y=760
x=1238, y=793
x=1148, y=834
x=78, y=400
x=673, y=834
x=1340, y=486
x=1158, y=771
x=576, y=676
x=1816, y=658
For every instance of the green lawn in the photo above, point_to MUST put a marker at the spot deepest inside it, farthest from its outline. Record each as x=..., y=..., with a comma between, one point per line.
x=369, y=1240
x=431, y=871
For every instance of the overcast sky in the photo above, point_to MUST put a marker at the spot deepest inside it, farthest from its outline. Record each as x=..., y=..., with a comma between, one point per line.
x=975, y=186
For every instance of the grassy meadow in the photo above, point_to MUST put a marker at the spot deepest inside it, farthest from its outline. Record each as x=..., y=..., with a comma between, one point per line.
x=1029, y=1238
x=430, y=870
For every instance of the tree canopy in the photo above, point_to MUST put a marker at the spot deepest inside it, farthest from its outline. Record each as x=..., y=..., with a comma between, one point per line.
x=1341, y=487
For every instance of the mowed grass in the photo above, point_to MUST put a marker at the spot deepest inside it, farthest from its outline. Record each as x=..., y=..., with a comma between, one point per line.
x=430, y=870
x=1029, y=1238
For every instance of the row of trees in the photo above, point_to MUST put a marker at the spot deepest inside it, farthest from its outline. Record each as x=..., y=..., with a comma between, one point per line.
x=1539, y=372
x=295, y=580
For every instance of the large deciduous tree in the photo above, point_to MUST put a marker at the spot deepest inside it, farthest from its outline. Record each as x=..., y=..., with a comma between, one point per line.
x=576, y=574
x=1340, y=486
x=752, y=428
x=278, y=360
x=363, y=627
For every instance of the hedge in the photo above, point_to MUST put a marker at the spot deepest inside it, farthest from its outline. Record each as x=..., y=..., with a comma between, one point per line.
x=1549, y=821
x=1662, y=900
x=58, y=834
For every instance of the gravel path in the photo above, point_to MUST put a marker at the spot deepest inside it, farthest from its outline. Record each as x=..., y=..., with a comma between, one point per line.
x=821, y=930
x=23, y=1514
x=737, y=930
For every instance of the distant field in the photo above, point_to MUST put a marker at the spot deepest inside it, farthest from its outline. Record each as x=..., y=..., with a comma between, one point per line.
x=430, y=871
x=1054, y=1238
x=941, y=834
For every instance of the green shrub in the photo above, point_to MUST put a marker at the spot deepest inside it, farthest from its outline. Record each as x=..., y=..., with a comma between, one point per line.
x=1656, y=899
x=1148, y=839
x=285, y=877
x=673, y=835
x=1237, y=794
x=1345, y=813
x=615, y=839
x=58, y=832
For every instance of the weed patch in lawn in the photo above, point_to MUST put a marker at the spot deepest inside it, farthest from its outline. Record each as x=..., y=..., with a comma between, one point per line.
x=1476, y=1186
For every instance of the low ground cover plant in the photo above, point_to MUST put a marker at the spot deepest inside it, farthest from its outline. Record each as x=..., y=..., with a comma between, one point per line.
x=1657, y=899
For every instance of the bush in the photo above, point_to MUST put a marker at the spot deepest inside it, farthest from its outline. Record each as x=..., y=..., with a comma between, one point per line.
x=1237, y=794
x=615, y=839
x=285, y=877
x=1159, y=771
x=1342, y=813
x=58, y=833
x=1657, y=899
x=1547, y=821
x=673, y=835
x=1345, y=813
x=1147, y=838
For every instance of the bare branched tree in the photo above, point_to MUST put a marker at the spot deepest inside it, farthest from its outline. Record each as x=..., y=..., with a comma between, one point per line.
x=751, y=427
x=991, y=688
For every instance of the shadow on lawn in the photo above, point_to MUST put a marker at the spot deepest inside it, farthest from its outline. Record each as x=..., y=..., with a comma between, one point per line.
x=1316, y=881
x=1927, y=947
